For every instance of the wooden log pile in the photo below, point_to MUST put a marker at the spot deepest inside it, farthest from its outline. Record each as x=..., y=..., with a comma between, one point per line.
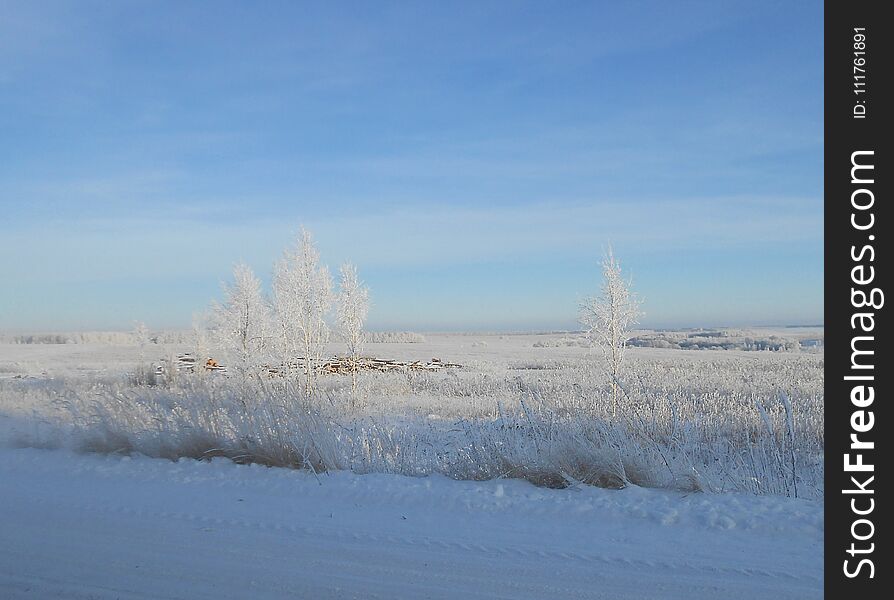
x=338, y=365
x=186, y=363
x=341, y=365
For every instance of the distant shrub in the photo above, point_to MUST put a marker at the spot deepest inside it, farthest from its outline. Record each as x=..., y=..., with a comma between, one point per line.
x=393, y=337
x=563, y=342
x=46, y=338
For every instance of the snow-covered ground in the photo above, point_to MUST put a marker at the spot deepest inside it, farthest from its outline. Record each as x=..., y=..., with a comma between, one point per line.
x=90, y=526
x=80, y=525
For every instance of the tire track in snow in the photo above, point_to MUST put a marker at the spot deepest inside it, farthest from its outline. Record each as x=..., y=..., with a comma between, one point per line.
x=429, y=542
x=473, y=544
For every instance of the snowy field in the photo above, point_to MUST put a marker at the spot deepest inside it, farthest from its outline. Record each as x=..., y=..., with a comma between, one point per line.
x=507, y=478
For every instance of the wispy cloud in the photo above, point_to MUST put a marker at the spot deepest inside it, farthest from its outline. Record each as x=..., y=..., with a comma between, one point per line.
x=154, y=145
x=180, y=242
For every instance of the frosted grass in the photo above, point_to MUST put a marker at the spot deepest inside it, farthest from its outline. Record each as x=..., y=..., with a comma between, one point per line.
x=732, y=424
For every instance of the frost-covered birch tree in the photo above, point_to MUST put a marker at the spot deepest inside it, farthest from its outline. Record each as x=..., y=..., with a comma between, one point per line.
x=302, y=296
x=141, y=335
x=351, y=310
x=609, y=317
x=242, y=322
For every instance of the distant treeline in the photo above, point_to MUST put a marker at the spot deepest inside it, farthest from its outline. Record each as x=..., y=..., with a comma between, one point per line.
x=109, y=338
x=384, y=337
x=393, y=337
x=726, y=340
x=132, y=338
x=719, y=339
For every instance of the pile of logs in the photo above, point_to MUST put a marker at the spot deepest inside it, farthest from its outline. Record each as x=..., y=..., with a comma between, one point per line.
x=346, y=365
x=186, y=363
x=342, y=365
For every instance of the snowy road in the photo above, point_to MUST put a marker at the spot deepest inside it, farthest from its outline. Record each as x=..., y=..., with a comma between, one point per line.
x=79, y=526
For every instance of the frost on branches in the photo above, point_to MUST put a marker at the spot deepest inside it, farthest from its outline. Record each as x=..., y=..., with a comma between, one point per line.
x=609, y=318
x=351, y=310
x=241, y=324
x=303, y=296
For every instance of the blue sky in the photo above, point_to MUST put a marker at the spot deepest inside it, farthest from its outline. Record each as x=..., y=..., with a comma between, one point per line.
x=473, y=159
